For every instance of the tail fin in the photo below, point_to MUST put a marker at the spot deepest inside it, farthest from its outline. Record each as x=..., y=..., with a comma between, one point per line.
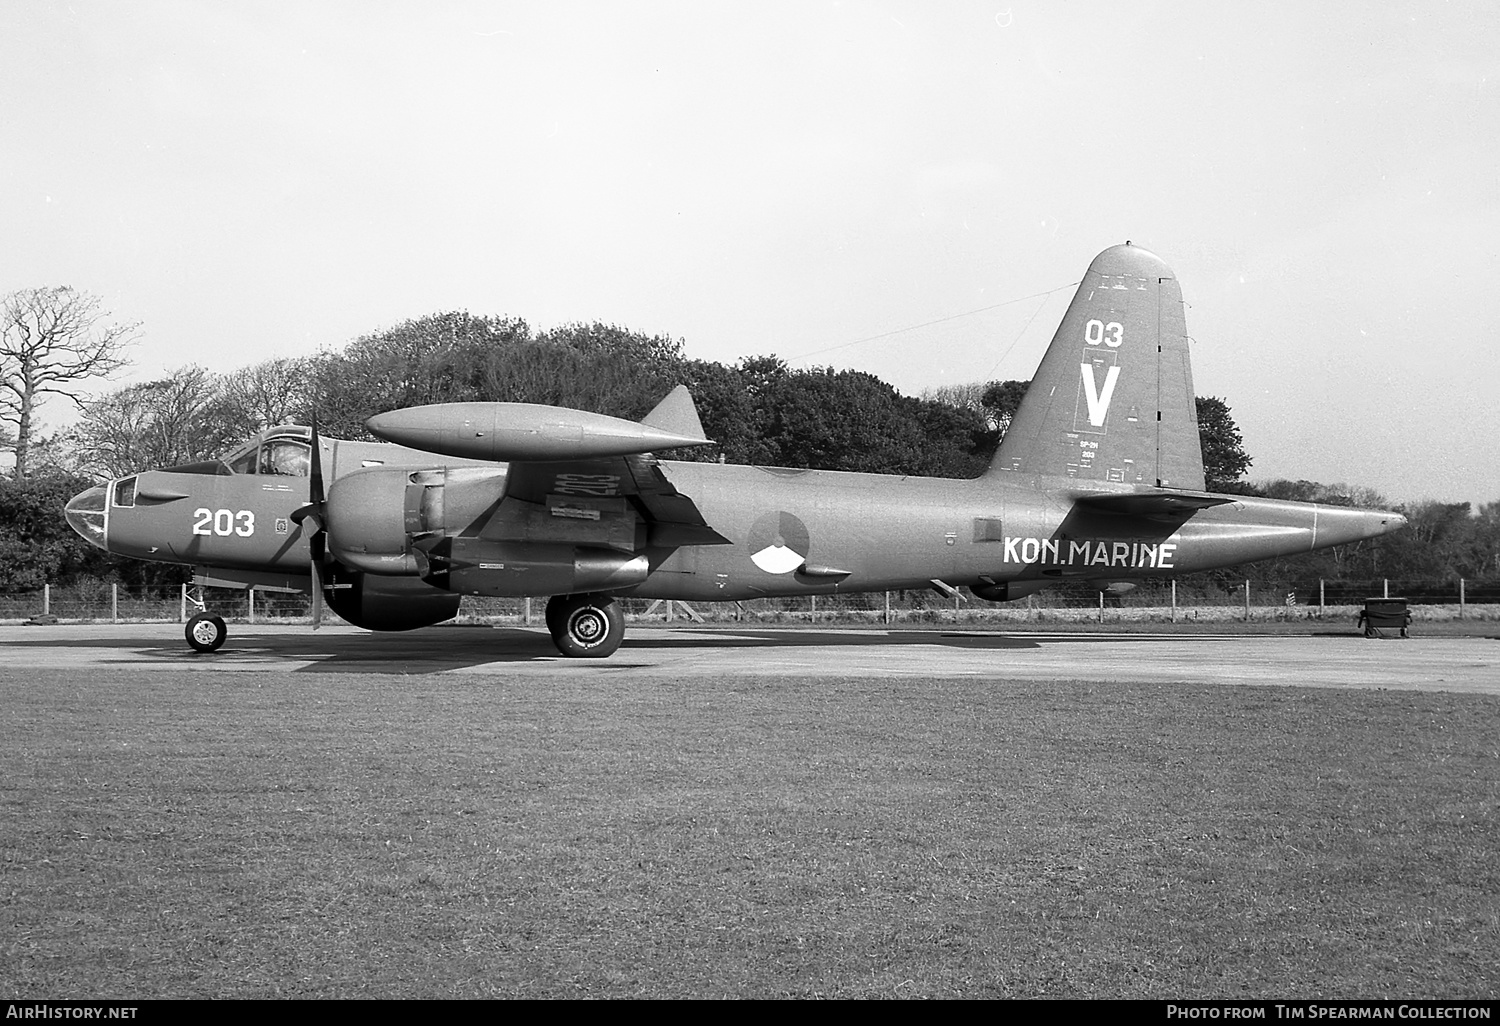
x=677, y=414
x=1113, y=399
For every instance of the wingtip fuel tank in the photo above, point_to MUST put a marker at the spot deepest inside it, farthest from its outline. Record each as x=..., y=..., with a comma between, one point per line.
x=507, y=432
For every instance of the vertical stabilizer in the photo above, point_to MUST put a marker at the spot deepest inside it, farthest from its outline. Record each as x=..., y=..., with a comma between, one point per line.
x=1113, y=399
x=676, y=414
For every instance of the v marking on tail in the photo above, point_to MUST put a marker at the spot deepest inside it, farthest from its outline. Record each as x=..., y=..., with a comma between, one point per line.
x=1098, y=403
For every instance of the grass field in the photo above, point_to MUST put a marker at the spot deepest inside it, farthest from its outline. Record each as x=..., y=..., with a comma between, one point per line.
x=337, y=835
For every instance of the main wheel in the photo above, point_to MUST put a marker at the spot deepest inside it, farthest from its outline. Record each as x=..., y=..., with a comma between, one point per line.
x=556, y=606
x=206, y=632
x=586, y=626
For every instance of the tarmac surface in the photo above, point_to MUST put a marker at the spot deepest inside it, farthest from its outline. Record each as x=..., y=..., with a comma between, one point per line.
x=1333, y=660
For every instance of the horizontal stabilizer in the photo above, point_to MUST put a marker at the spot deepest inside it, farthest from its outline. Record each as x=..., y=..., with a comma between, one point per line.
x=1152, y=503
x=525, y=432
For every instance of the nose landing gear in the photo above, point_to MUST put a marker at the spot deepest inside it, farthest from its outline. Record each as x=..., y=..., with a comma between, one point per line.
x=206, y=632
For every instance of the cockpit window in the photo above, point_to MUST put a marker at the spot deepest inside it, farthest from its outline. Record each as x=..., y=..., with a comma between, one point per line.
x=244, y=463
x=125, y=492
x=283, y=451
x=285, y=458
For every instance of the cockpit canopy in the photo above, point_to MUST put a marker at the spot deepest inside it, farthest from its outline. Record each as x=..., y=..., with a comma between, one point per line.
x=284, y=451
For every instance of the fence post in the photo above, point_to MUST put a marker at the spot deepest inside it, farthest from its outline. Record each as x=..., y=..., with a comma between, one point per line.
x=887, y=608
x=250, y=599
x=1320, y=598
x=1174, y=600
x=114, y=603
x=1461, y=598
x=526, y=611
x=955, y=607
x=1101, y=605
x=46, y=599
x=814, y=617
x=1385, y=587
x=1247, y=598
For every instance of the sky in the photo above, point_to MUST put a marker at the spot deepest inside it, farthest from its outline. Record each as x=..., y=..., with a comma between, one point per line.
x=903, y=188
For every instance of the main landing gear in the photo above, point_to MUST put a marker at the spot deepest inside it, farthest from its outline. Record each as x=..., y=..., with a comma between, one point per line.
x=585, y=626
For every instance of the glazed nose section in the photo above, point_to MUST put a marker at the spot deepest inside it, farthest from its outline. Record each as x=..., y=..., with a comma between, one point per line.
x=85, y=514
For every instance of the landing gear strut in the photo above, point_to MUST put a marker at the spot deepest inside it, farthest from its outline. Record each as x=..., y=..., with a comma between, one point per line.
x=206, y=632
x=585, y=626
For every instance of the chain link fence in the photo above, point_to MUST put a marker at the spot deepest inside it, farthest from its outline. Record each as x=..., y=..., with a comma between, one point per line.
x=1189, y=600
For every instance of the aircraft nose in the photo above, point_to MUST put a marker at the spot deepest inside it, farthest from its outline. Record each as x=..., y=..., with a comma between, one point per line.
x=85, y=514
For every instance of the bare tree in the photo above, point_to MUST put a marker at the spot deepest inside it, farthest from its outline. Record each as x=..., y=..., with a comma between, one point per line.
x=178, y=419
x=266, y=394
x=51, y=339
x=968, y=396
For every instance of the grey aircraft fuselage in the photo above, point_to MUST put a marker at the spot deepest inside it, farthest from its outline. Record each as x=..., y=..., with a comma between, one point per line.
x=1099, y=477
x=855, y=532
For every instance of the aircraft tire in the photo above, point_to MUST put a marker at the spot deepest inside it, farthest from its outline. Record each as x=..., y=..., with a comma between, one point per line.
x=206, y=632
x=554, y=613
x=588, y=626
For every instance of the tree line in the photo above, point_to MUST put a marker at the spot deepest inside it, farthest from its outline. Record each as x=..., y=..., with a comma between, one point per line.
x=759, y=410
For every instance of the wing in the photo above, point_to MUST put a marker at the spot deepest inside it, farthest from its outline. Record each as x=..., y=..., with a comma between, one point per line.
x=627, y=497
x=573, y=478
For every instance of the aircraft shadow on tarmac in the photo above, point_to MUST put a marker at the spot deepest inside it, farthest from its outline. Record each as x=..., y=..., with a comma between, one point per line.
x=439, y=649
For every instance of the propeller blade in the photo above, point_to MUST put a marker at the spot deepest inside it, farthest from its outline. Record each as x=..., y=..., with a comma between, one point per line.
x=315, y=479
x=314, y=516
x=317, y=595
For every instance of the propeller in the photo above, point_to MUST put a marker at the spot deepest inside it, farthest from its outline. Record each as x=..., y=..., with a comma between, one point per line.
x=314, y=516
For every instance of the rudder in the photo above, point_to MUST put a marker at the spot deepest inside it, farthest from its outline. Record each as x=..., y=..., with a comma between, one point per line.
x=1112, y=401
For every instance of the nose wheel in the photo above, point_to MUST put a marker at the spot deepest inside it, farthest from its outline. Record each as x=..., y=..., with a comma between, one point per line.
x=206, y=632
x=585, y=626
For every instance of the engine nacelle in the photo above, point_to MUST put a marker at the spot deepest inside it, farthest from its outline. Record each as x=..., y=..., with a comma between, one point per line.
x=447, y=526
x=382, y=520
x=366, y=513
x=1007, y=591
x=390, y=603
